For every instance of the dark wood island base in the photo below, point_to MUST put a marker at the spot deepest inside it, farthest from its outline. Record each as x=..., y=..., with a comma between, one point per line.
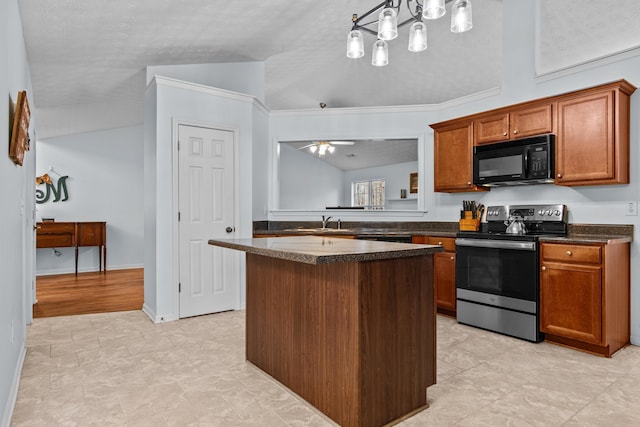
x=355, y=339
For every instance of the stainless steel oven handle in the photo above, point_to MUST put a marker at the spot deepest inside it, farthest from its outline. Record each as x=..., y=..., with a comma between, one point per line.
x=497, y=244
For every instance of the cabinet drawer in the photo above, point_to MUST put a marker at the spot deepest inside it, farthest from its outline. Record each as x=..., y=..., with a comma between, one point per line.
x=448, y=243
x=571, y=253
x=63, y=240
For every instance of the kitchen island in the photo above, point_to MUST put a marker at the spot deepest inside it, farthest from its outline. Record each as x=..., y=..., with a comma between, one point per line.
x=348, y=325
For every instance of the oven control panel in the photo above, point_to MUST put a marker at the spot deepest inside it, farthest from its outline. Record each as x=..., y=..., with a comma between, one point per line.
x=533, y=213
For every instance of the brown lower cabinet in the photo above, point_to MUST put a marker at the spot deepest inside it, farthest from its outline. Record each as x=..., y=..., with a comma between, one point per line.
x=444, y=272
x=584, y=296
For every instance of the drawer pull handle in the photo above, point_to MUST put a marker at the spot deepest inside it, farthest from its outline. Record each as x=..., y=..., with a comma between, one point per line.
x=544, y=268
x=559, y=175
x=452, y=258
x=515, y=131
x=440, y=243
x=504, y=134
x=569, y=253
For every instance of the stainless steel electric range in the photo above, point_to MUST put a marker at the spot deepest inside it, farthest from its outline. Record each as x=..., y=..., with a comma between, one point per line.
x=497, y=268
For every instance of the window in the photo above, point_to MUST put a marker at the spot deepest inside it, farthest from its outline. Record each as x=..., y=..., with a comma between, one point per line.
x=369, y=194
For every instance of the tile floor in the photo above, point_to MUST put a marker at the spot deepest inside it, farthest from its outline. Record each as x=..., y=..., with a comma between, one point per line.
x=120, y=369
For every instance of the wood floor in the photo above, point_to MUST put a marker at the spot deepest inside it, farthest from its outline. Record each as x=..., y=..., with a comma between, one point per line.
x=94, y=292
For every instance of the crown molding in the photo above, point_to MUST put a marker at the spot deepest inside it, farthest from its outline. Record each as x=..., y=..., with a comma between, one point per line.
x=419, y=108
x=586, y=65
x=208, y=90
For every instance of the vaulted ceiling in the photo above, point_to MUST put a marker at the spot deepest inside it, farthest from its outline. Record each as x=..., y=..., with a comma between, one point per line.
x=87, y=58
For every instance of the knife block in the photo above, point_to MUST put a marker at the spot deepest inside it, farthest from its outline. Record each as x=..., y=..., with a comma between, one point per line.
x=469, y=223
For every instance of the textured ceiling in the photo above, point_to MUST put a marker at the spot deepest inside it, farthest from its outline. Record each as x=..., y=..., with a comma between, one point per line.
x=87, y=57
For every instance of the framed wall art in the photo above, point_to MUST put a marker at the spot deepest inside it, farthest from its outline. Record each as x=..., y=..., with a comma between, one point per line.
x=413, y=182
x=19, y=140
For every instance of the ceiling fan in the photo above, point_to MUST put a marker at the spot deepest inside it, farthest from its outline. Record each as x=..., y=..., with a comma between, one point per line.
x=322, y=147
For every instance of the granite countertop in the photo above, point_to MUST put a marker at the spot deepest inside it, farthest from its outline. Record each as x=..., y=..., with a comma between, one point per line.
x=325, y=250
x=577, y=233
x=355, y=231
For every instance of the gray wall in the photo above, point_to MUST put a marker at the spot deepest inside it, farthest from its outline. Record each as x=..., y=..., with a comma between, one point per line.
x=16, y=213
x=105, y=184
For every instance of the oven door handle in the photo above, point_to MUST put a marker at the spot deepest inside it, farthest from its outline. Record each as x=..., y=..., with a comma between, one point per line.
x=496, y=244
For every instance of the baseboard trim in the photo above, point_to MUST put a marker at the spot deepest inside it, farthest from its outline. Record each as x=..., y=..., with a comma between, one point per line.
x=13, y=392
x=156, y=318
x=87, y=270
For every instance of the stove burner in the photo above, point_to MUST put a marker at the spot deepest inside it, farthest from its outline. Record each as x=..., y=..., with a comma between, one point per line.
x=538, y=220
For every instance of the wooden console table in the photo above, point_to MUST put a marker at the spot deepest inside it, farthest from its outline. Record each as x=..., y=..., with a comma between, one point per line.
x=74, y=234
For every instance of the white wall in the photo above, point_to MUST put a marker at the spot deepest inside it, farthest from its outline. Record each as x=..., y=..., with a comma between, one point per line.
x=307, y=182
x=105, y=183
x=16, y=214
x=178, y=101
x=592, y=204
x=241, y=77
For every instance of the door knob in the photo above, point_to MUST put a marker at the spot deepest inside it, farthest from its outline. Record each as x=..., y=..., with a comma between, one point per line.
x=229, y=229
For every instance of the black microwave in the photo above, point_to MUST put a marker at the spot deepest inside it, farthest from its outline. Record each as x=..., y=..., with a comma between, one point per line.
x=523, y=161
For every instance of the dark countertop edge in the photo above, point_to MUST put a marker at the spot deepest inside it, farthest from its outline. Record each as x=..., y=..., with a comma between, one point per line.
x=414, y=228
x=329, y=259
x=578, y=233
x=358, y=232
x=587, y=238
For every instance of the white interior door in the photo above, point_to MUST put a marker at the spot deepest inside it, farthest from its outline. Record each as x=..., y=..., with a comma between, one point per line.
x=209, y=275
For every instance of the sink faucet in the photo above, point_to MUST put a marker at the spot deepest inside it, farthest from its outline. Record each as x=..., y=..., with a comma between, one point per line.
x=325, y=221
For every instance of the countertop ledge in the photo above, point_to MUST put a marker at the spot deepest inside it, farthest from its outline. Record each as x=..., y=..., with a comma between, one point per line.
x=325, y=250
x=357, y=231
x=588, y=238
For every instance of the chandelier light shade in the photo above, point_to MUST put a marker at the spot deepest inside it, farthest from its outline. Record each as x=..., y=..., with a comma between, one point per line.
x=380, y=56
x=433, y=9
x=418, y=37
x=461, y=19
x=355, y=44
x=388, y=24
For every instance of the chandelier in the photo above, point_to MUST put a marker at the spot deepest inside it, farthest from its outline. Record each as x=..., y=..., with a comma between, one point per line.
x=387, y=26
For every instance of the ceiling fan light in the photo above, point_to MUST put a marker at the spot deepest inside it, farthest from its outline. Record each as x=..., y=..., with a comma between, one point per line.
x=418, y=37
x=433, y=9
x=322, y=149
x=331, y=149
x=313, y=148
x=461, y=18
x=380, y=56
x=355, y=44
x=388, y=24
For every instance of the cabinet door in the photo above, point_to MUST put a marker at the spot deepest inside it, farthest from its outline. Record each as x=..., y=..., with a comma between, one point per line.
x=453, y=159
x=530, y=121
x=585, y=148
x=491, y=129
x=90, y=234
x=444, y=279
x=571, y=301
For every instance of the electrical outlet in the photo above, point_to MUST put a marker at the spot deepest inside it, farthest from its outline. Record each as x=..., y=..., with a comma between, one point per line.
x=631, y=209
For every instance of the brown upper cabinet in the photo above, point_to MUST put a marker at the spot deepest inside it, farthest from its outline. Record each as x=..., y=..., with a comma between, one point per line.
x=514, y=124
x=592, y=136
x=591, y=128
x=453, y=157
